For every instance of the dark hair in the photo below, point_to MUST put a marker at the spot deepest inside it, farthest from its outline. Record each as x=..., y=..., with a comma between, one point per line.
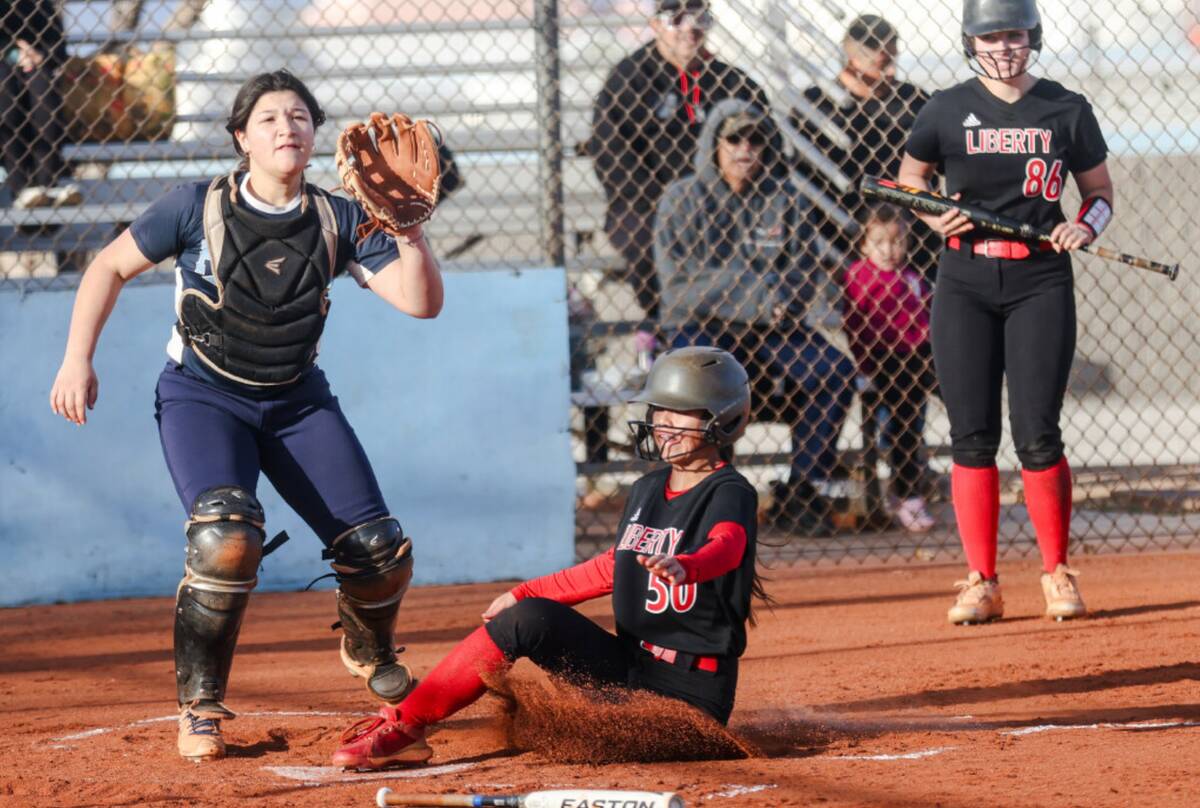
x=871, y=31
x=258, y=86
x=882, y=213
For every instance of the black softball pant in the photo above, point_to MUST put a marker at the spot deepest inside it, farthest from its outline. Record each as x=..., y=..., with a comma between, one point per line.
x=994, y=318
x=559, y=639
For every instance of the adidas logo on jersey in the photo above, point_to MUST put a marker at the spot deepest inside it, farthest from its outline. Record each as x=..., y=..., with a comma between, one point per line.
x=971, y=120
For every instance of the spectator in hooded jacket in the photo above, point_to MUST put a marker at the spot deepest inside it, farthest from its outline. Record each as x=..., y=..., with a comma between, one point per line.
x=733, y=248
x=645, y=125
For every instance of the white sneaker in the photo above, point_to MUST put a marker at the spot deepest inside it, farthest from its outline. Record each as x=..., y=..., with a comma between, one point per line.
x=979, y=601
x=66, y=196
x=35, y=196
x=913, y=515
x=1063, y=601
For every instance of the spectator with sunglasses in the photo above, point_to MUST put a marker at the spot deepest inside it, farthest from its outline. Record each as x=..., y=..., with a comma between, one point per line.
x=733, y=247
x=646, y=122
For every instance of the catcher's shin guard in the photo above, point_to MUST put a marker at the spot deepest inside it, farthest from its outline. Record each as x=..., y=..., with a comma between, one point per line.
x=225, y=545
x=373, y=563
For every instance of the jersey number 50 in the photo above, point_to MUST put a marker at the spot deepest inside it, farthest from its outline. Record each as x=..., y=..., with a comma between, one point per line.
x=665, y=596
x=1043, y=183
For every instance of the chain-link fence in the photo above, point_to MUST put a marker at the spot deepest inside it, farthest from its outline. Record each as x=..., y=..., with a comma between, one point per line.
x=625, y=141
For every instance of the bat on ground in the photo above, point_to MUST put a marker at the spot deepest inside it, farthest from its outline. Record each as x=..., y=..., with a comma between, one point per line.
x=928, y=202
x=566, y=798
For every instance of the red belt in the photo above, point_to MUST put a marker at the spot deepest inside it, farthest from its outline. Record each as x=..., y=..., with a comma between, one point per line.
x=703, y=663
x=999, y=248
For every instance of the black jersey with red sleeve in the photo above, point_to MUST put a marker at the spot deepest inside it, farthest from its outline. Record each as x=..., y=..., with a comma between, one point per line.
x=703, y=616
x=1013, y=158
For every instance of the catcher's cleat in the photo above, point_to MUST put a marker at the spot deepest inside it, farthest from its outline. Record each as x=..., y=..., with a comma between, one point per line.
x=1063, y=601
x=390, y=681
x=200, y=736
x=979, y=601
x=379, y=742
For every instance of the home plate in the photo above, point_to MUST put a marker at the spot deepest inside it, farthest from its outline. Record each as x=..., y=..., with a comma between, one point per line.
x=321, y=775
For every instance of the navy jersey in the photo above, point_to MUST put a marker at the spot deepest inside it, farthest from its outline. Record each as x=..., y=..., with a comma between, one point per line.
x=705, y=619
x=173, y=227
x=1011, y=159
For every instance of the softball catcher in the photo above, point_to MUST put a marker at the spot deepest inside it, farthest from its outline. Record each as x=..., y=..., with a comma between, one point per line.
x=681, y=576
x=1006, y=141
x=241, y=394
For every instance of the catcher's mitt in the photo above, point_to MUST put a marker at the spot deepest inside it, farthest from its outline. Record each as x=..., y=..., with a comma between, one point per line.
x=390, y=165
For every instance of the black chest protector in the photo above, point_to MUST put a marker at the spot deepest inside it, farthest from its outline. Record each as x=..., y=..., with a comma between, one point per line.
x=272, y=278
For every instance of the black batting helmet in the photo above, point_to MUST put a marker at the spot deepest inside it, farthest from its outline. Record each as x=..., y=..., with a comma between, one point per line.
x=981, y=17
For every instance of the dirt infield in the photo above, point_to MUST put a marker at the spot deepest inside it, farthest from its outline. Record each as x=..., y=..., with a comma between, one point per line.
x=854, y=689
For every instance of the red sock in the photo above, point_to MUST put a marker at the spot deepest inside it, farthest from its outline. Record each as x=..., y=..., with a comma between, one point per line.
x=976, y=494
x=1048, y=497
x=454, y=683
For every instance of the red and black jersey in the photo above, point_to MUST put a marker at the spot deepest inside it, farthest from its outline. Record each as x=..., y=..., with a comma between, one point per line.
x=711, y=529
x=1012, y=159
x=703, y=618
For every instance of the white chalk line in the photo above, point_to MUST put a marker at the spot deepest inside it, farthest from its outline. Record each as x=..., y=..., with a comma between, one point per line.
x=329, y=775
x=738, y=791
x=928, y=753
x=162, y=719
x=1106, y=725
x=924, y=753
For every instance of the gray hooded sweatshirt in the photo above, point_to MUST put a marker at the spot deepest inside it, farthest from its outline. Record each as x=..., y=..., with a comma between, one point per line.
x=733, y=258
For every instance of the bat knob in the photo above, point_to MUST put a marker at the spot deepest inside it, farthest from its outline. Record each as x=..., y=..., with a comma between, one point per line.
x=381, y=797
x=1174, y=273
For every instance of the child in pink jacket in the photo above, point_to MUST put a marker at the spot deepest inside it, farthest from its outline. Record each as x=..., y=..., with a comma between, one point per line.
x=886, y=315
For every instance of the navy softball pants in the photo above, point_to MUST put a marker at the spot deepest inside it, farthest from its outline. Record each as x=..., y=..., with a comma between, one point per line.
x=299, y=439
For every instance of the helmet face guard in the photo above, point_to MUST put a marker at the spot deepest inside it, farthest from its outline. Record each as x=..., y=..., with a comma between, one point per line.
x=985, y=65
x=697, y=378
x=647, y=448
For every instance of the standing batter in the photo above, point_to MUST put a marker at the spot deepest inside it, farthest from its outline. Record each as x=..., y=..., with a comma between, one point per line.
x=681, y=577
x=1006, y=309
x=255, y=253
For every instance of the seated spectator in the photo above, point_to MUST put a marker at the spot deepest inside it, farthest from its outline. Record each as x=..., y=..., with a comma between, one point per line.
x=644, y=129
x=732, y=245
x=886, y=307
x=876, y=112
x=31, y=127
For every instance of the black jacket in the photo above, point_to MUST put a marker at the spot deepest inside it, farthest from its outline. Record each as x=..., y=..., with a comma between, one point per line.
x=878, y=129
x=38, y=23
x=646, y=121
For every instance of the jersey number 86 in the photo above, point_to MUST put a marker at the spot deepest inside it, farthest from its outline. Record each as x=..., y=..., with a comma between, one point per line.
x=1043, y=183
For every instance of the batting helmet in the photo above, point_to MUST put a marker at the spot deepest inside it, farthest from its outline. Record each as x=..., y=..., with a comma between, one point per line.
x=698, y=378
x=981, y=17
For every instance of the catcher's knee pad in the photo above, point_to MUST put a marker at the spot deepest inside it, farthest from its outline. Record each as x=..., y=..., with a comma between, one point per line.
x=225, y=540
x=225, y=545
x=373, y=564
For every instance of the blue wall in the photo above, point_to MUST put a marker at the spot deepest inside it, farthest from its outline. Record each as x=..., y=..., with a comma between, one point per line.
x=465, y=419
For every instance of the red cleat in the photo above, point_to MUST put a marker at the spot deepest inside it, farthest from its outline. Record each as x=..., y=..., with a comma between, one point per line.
x=378, y=743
